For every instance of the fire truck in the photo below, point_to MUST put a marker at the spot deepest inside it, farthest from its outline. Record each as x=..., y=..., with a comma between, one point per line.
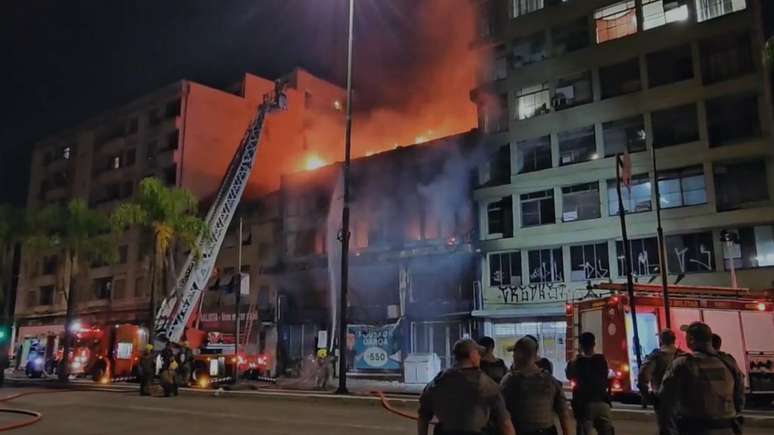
x=107, y=352
x=745, y=323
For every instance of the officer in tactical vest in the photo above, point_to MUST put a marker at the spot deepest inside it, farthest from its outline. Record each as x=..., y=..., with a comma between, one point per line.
x=652, y=373
x=704, y=390
x=494, y=367
x=463, y=398
x=532, y=396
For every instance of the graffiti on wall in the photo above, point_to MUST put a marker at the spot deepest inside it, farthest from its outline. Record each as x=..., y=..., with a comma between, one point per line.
x=534, y=293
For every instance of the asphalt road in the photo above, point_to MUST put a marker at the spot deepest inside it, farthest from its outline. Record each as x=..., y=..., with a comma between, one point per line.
x=99, y=413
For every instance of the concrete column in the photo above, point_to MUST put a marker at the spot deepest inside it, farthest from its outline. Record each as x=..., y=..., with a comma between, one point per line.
x=554, y=150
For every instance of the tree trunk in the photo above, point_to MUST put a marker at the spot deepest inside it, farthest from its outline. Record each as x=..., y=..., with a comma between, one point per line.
x=152, y=302
x=69, y=292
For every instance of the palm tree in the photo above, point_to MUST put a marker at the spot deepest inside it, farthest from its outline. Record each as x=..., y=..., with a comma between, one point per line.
x=78, y=236
x=166, y=215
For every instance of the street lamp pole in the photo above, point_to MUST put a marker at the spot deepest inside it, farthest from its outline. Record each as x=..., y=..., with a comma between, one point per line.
x=345, y=215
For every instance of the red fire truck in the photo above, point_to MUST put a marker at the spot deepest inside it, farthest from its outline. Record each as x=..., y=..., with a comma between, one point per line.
x=107, y=352
x=745, y=323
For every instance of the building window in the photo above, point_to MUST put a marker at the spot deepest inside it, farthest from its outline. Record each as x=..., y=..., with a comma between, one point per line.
x=615, y=21
x=132, y=126
x=577, y=146
x=675, y=126
x=620, y=79
x=103, y=288
x=493, y=114
x=682, y=187
x=533, y=154
x=573, y=91
x=500, y=218
x=115, y=162
x=688, y=253
x=589, y=262
x=139, y=287
x=726, y=57
x=170, y=175
x=119, y=288
x=49, y=265
x=671, y=65
x=173, y=139
x=153, y=117
x=709, y=9
x=546, y=265
x=46, y=295
x=172, y=108
x=529, y=49
x=731, y=119
x=500, y=68
x=123, y=254
x=537, y=208
x=569, y=37
x=636, y=198
x=505, y=269
x=644, y=256
x=66, y=151
x=656, y=13
x=523, y=7
x=741, y=183
x=624, y=134
x=580, y=202
x=754, y=247
x=497, y=170
x=533, y=101
x=131, y=157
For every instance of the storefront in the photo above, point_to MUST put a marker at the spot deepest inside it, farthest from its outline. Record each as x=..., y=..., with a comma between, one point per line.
x=550, y=333
x=43, y=340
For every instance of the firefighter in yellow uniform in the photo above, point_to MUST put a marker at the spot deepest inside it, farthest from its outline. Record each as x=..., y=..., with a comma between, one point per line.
x=704, y=391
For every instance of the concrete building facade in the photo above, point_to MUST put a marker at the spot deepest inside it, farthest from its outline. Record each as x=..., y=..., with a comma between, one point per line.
x=573, y=83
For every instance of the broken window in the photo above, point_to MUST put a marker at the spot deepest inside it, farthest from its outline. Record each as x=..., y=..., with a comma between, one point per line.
x=577, y=146
x=616, y=21
x=624, y=134
x=726, y=57
x=644, y=256
x=732, y=119
x=740, y=183
x=546, y=265
x=505, y=268
x=636, y=197
x=497, y=170
x=682, y=187
x=500, y=218
x=533, y=154
x=688, y=253
x=753, y=247
x=533, y=101
x=528, y=49
x=670, y=65
x=675, y=126
x=580, y=202
x=620, y=79
x=571, y=36
x=709, y=9
x=589, y=262
x=523, y=7
x=537, y=208
x=573, y=91
x=656, y=13
x=46, y=295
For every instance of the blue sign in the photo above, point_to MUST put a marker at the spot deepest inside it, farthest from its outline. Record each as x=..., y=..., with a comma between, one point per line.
x=376, y=348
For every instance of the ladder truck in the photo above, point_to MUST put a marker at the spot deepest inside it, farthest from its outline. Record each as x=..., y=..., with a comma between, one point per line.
x=175, y=312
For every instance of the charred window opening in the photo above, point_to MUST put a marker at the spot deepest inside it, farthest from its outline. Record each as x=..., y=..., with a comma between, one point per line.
x=624, y=134
x=740, y=184
x=576, y=146
x=505, y=268
x=620, y=79
x=493, y=114
x=731, y=119
x=726, y=57
x=154, y=118
x=529, y=49
x=500, y=218
x=671, y=65
x=546, y=265
x=580, y=202
x=571, y=36
x=572, y=91
x=537, y=208
x=688, y=253
x=172, y=108
x=682, y=187
x=533, y=154
x=497, y=170
x=644, y=256
x=635, y=199
x=675, y=126
x=589, y=262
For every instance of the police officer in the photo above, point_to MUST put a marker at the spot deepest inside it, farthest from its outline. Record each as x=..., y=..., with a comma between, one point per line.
x=147, y=370
x=463, y=398
x=590, y=396
x=533, y=396
x=704, y=390
x=651, y=374
x=494, y=367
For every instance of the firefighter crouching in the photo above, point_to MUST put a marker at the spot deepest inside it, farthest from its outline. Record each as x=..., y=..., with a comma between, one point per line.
x=147, y=370
x=704, y=390
x=463, y=398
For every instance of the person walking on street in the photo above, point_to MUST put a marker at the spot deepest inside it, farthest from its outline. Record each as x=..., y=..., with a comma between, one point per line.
x=590, y=393
x=704, y=390
x=652, y=373
x=147, y=370
x=533, y=397
x=463, y=398
x=494, y=367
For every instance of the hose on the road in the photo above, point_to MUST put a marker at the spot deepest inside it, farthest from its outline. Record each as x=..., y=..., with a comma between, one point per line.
x=386, y=405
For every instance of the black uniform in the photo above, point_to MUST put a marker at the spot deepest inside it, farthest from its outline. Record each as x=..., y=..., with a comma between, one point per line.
x=169, y=372
x=533, y=398
x=495, y=369
x=147, y=371
x=590, y=396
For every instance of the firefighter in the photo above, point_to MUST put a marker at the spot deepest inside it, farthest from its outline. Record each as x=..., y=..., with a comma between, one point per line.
x=463, y=398
x=652, y=373
x=185, y=362
x=532, y=396
x=704, y=390
x=323, y=369
x=494, y=367
x=147, y=370
x=168, y=375
x=590, y=393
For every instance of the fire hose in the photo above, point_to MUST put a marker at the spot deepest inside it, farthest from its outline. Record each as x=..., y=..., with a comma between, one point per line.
x=389, y=408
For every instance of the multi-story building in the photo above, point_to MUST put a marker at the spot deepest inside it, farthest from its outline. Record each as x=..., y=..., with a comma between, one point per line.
x=572, y=84
x=411, y=280
x=185, y=134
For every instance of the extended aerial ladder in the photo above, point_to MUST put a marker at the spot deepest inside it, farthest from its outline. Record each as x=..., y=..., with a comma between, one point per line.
x=175, y=311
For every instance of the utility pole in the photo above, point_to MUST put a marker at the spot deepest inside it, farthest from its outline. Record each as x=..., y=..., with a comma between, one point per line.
x=627, y=260
x=237, y=298
x=662, y=257
x=345, y=215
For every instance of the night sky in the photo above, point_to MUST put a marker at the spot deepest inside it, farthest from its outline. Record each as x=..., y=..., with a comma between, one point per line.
x=64, y=61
